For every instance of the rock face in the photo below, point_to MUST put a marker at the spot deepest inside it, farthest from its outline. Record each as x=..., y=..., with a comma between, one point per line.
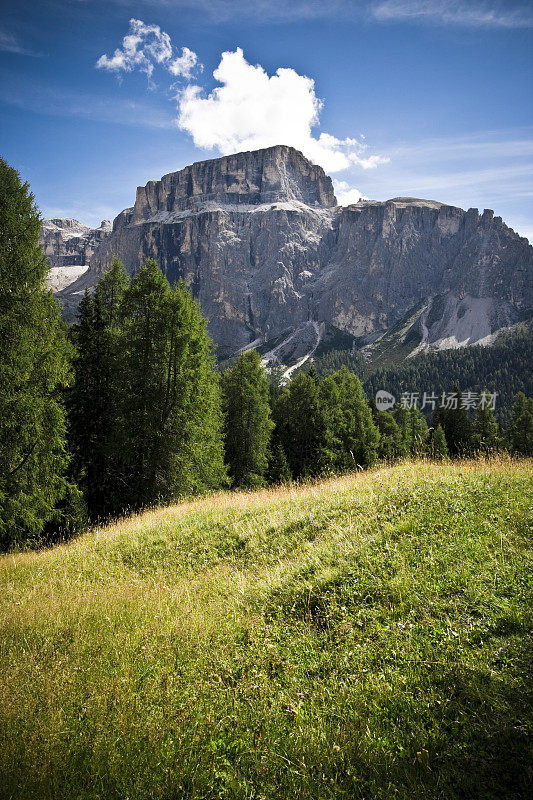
x=69, y=246
x=69, y=243
x=274, y=262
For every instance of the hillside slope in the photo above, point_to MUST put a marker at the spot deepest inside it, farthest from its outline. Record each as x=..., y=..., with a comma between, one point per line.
x=364, y=637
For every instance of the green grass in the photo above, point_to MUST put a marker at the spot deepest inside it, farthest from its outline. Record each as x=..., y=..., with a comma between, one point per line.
x=363, y=637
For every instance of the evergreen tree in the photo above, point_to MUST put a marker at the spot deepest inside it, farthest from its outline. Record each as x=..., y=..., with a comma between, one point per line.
x=520, y=432
x=301, y=427
x=248, y=423
x=351, y=437
x=192, y=411
x=330, y=456
x=437, y=443
x=390, y=437
x=96, y=399
x=171, y=415
x=456, y=425
x=34, y=368
x=419, y=432
x=402, y=417
x=278, y=466
x=485, y=429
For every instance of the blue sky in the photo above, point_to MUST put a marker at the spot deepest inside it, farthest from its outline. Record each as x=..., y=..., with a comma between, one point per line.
x=425, y=98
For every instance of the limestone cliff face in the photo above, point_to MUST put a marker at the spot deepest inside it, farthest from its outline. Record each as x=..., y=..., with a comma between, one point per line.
x=68, y=243
x=273, y=260
x=69, y=246
x=277, y=174
x=389, y=257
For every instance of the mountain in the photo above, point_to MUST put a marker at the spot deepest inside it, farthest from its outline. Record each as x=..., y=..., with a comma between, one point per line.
x=69, y=246
x=277, y=264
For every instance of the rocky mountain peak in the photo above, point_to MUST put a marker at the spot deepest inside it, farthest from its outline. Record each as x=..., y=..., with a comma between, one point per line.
x=277, y=174
x=276, y=264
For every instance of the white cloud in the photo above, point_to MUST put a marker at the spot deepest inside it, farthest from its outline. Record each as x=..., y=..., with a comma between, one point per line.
x=466, y=13
x=454, y=12
x=10, y=44
x=346, y=194
x=146, y=46
x=251, y=110
x=185, y=64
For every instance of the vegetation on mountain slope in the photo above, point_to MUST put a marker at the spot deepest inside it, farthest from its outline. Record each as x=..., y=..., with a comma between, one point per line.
x=364, y=637
x=504, y=367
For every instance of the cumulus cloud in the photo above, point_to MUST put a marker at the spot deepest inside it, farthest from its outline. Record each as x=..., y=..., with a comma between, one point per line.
x=251, y=110
x=346, y=194
x=146, y=46
x=185, y=64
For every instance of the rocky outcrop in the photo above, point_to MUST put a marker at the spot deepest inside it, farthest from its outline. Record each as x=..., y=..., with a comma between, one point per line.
x=274, y=261
x=68, y=243
x=69, y=246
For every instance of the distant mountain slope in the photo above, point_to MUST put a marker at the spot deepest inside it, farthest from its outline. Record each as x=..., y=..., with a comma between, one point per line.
x=504, y=367
x=272, y=258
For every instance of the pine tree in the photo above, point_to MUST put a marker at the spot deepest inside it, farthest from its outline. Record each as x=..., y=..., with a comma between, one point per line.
x=520, y=432
x=34, y=368
x=95, y=401
x=437, y=443
x=248, y=423
x=485, y=429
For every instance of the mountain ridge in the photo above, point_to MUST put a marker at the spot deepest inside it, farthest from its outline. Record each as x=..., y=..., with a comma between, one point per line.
x=266, y=249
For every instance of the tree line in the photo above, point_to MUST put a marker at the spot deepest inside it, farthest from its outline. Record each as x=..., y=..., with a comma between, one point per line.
x=126, y=408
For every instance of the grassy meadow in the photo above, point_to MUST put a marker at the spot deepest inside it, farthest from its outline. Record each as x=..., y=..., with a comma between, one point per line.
x=367, y=636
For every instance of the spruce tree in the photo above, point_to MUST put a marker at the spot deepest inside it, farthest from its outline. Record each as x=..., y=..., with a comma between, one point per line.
x=520, y=432
x=390, y=437
x=402, y=417
x=97, y=396
x=419, y=432
x=437, y=443
x=278, y=466
x=351, y=436
x=34, y=369
x=331, y=455
x=192, y=410
x=171, y=419
x=248, y=423
x=485, y=429
x=301, y=426
x=456, y=425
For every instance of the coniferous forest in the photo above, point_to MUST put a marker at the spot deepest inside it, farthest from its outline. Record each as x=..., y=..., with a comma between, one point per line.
x=126, y=408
